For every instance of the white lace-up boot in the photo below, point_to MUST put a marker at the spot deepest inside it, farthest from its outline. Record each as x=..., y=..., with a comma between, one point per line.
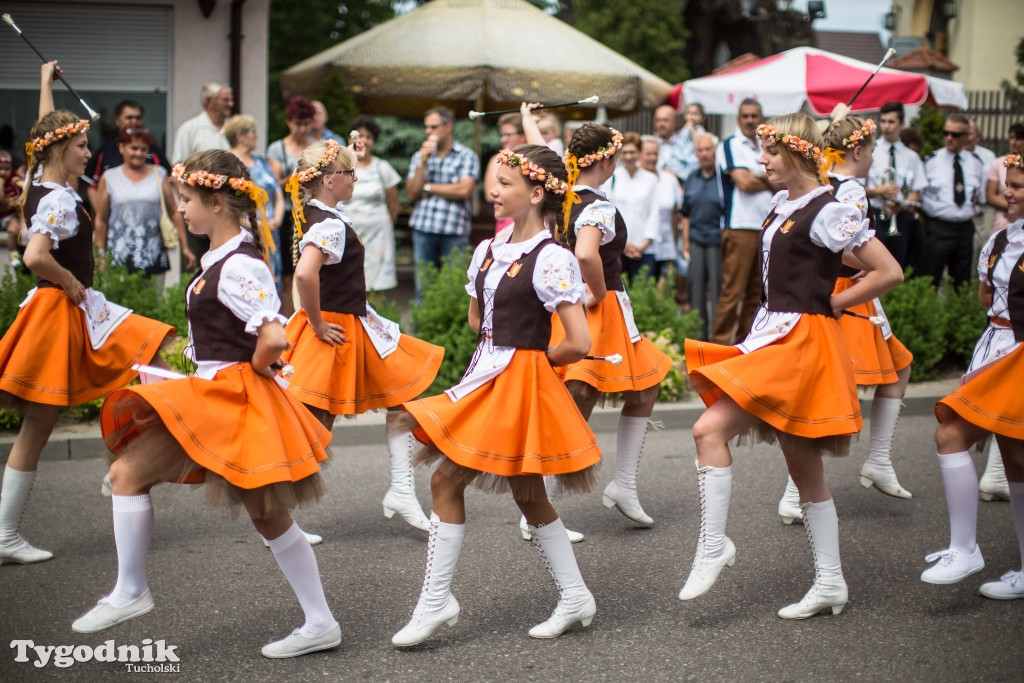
x=401, y=497
x=575, y=602
x=993, y=484
x=789, y=504
x=877, y=470
x=714, y=549
x=436, y=604
x=829, y=589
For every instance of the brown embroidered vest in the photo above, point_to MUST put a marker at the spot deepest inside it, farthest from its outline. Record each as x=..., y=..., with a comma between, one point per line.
x=1014, y=288
x=217, y=333
x=74, y=253
x=845, y=270
x=519, y=318
x=801, y=275
x=342, y=284
x=611, y=253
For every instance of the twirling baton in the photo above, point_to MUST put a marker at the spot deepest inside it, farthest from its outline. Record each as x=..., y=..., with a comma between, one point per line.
x=875, y=320
x=478, y=114
x=92, y=115
x=888, y=55
x=614, y=359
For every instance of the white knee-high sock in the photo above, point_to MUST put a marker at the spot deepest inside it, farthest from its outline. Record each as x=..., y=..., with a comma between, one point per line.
x=629, y=446
x=13, y=498
x=298, y=564
x=1017, y=510
x=960, y=480
x=133, y=529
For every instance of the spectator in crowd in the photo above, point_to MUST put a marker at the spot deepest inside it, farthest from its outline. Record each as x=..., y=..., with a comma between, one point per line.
x=912, y=138
x=702, y=233
x=995, y=182
x=747, y=197
x=669, y=199
x=908, y=180
x=442, y=176
x=374, y=209
x=240, y=130
x=510, y=133
x=204, y=132
x=986, y=157
x=551, y=130
x=973, y=145
x=282, y=155
x=955, y=180
x=128, y=209
x=127, y=114
x=634, y=192
x=677, y=154
x=318, y=130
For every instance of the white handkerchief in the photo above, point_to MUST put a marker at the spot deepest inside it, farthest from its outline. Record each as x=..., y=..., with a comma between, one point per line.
x=382, y=332
x=627, y=315
x=101, y=316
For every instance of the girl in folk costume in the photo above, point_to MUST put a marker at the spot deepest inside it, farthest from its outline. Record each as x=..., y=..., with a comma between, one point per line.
x=510, y=421
x=262, y=451
x=596, y=233
x=988, y=401
x=879, y=359
x=68, y=345
x=348, y=359
x=791, y=379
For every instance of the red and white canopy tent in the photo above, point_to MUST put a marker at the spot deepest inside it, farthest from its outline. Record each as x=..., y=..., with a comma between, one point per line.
x=784, y=82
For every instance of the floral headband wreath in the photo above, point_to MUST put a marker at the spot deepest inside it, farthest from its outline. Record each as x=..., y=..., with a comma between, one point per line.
x=240, y=186
x=535, y=172
x=300, y=178
x=42, y=142
x=857, y=137
x=1014, y=161
x=797, y=146
x=573, y=166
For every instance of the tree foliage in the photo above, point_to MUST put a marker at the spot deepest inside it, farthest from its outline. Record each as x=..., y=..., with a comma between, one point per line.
x=1015, y=90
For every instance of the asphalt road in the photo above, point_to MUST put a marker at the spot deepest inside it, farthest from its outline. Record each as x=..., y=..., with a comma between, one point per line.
x=220, y=597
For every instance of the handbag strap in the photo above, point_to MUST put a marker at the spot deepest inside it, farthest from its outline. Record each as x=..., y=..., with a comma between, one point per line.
x=160, y=191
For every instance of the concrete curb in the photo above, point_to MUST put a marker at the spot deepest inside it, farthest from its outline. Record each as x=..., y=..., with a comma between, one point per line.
x=368, y=429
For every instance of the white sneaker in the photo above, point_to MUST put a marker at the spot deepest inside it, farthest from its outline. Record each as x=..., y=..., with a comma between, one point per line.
x=1010, y=586
x=313, y=539
x=953, y=565
x=524, y=530
x=297, y=644
x=104, y=615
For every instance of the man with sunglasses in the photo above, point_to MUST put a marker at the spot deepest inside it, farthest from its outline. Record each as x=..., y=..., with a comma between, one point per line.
x=950, y=202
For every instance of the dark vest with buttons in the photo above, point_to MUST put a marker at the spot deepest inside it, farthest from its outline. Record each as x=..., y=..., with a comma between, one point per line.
x=801, y=275
x=519, y=317
x=1014, y=289
x=342, y=284
x=74, y=253
x=217, y=333
x=845, y=270
x=611, y=253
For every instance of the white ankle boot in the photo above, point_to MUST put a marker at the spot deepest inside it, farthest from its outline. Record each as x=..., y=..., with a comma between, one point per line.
x=436, y=604
x=14, y=492
x=575, y=602
x=877, y=470
x=789, y=504
x=714, y=549
x=401, y=497
x=524, y=529
x=993, y=484
x=829, y=589
x=621, y=492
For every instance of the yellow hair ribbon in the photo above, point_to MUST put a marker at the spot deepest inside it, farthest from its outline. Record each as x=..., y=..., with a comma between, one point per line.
x=298, y=215
x=833, y=157
x=259, y=196
x=573, y=167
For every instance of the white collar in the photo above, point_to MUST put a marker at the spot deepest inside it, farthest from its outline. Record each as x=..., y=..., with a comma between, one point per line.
x=62, y=188
x=338, y=210
x=596, y=191
x=211, y=257
x=787, y=207
x=505, y=252
x=1015, y=232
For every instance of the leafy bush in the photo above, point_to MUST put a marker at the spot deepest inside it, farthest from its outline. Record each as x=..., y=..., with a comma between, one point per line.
x=87, y=411
x=13, y=288
x=171, y=307
x=965, y=320
x=655, y=308
x=441, y=318
x=136, y=291
x=174, y=355
x=674, y=386
x=10, y=419
x=917, y=318
x=385, y=307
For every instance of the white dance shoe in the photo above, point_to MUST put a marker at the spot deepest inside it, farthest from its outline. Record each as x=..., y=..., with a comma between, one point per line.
x=953, y=565
x=789, y=504
x=314, y=539
x=22, y=552
x=706, y=569
x=407, y=507
x=524, y=530
x=297, y=644
x=883, y=477
x=104, y=615
x=1010, y=586
x=625, y=501
x=829, y=589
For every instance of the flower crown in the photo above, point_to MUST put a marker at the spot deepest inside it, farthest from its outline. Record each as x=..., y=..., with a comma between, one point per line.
x=795, y=144
x=44, y=141
x=535, y=172
x=1014, y=161
x=858, y=136
x=603, y=152
x=330, y=154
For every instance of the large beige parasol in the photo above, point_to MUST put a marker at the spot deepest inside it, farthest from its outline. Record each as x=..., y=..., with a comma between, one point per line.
x=474, y=54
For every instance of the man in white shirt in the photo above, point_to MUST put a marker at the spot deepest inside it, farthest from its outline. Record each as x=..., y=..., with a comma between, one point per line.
x=955, y=179
x=887, y=196
x=747, y=197
x=204, y=130
x=634, y=192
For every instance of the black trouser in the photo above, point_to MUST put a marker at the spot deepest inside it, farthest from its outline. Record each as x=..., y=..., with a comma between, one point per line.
x=906, y=246
x=947, y=243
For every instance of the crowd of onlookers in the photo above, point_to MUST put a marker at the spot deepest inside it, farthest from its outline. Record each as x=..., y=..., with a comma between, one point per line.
x=692, y=203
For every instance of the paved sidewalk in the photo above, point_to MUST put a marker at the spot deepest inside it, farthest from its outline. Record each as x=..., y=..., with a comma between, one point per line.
x=83, y=440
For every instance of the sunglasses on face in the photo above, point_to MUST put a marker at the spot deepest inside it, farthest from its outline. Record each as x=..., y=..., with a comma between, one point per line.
x=954, y=133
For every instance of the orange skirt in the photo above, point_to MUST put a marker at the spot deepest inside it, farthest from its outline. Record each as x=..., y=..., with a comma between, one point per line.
x=801, y=385
x=46, y=356
x=643, y=364
x=240, y=430
x=876, y=360
x=991, y=399
x=352, y=378
x=520, y=423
